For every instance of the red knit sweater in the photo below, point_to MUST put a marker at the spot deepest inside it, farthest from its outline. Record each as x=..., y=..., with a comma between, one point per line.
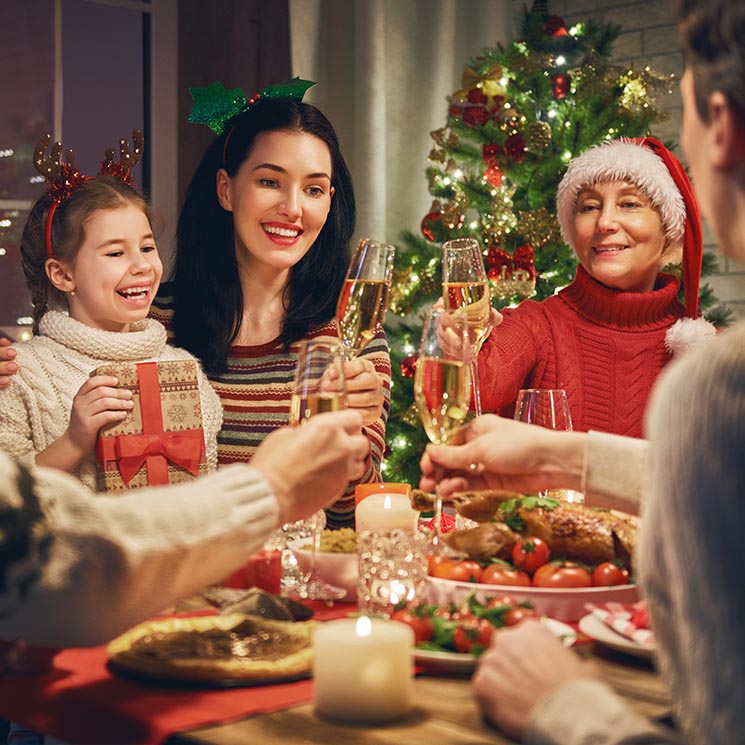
x=603, y=346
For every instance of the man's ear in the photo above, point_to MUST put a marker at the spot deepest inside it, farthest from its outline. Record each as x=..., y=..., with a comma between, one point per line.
x=224, y=192
x=728, y=137
x=59, y=275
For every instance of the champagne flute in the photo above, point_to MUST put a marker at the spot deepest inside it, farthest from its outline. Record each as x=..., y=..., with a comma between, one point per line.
x=465, y=285
x=547, y=407
x=442, y=383
x=364, y=297
x=319, y=387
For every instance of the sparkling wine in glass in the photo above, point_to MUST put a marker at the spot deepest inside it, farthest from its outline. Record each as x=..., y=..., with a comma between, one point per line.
x=319, y=387
x=465, y=285
x=442, y=382
x=363, y=300
x=547, y=407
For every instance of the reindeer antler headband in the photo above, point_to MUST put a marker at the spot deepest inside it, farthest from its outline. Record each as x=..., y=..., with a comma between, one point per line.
x=64, y=178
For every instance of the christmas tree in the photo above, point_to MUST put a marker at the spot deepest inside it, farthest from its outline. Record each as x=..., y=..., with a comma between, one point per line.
x=521, y=114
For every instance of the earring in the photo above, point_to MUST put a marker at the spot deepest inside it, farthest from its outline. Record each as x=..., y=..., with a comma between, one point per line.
x=72, y=293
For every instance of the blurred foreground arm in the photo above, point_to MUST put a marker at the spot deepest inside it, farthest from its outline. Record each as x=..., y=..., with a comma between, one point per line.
x=78, y=569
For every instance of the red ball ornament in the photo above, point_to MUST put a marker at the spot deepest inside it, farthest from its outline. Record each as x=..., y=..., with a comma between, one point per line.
x=560, y=83
x=428, y=223
x=475, y=116
x=408, y=366
x=515, y=148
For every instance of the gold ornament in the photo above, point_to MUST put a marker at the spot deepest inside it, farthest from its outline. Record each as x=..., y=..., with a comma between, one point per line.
x=400, y=290
x=428, y=281
x=538, y=136
x=411, y=416
x=436, y=156
x=510, y=119
x=539, y=227
x=489, y=82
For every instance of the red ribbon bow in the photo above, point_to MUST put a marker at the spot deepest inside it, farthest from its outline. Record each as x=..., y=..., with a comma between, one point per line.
x=132, y=451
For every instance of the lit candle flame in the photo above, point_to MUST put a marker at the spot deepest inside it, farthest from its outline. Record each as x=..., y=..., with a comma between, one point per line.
x=363, y=627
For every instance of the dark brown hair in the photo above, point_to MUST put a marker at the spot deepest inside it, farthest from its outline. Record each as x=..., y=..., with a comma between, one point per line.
x=68, y=234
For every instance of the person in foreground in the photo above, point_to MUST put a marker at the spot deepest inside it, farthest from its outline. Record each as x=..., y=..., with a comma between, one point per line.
x=690, y=543
x=627, y=208
x=76, y=570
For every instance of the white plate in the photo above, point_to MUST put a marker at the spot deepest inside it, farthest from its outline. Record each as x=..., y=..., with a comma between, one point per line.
x=456, y=663
x=564, y=604
x=597, y=630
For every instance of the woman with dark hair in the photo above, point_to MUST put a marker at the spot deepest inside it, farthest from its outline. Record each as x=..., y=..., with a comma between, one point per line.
x=261, y=255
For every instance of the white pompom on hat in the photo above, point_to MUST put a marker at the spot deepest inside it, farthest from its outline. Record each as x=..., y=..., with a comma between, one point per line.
x=648, y=164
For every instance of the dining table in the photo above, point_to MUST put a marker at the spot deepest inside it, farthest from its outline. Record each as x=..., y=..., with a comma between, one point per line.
x=83, y=700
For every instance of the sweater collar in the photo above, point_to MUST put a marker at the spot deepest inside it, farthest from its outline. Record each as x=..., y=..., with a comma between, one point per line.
x=614, y=308
x=145, y=340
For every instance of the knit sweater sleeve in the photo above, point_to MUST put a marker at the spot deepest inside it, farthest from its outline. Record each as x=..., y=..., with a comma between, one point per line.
x=98, y=566
x=565, y=718
x=511, y=354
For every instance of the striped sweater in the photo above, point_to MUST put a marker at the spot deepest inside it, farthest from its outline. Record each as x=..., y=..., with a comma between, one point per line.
x=605, y=347
x=255, y=392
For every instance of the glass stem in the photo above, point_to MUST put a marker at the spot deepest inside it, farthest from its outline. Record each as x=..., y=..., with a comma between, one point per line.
x=476, y=386
x=315, y=544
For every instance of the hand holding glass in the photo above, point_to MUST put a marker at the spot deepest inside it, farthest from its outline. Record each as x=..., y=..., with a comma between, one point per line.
x=465, y=285
x=364, y=297
x=319, y=387
x=442, y=383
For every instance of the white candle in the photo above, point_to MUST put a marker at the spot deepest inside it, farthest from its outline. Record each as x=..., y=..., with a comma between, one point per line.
x=385, y=512
x=363, y=669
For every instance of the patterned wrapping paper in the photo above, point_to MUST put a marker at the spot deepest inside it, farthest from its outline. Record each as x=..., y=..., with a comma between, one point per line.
x=161, y=441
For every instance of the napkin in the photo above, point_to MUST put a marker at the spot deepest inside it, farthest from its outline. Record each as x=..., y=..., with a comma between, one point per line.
x=631, y=620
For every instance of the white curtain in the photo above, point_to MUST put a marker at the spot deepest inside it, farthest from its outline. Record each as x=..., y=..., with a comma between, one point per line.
x=384, y=69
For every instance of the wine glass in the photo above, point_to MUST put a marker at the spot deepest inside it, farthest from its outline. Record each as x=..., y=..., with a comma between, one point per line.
x=465, y=285
x=442, y=383
x=319, y=387
x=364, y=297
x=547, y=407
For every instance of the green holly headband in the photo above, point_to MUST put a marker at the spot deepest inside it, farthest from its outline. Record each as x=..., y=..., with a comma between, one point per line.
x=214, y=106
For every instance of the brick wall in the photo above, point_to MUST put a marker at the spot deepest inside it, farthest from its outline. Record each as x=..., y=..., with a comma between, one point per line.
x=649, y=37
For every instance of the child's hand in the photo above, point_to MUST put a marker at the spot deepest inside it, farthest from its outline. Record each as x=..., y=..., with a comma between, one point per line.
x=97, y=403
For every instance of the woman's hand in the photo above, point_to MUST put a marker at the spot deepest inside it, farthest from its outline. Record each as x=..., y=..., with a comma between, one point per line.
x=8, y=366
x=364, y=389
x=524, y=664
x=495, y=453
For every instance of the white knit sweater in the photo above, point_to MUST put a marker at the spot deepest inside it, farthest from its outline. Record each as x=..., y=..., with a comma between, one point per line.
x=35, y=408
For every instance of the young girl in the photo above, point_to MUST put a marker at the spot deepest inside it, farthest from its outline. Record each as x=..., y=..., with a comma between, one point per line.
x=261, y=255
x=92, y=267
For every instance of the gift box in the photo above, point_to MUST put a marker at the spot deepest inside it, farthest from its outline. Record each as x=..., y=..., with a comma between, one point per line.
x=161, y=441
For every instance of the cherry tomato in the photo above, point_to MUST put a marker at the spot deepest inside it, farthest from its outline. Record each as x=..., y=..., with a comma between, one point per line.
x=501, y=601
x=498, y=574
x=530, y=553
x=471, y=633
x=608, y=573
x=433, y=561
x=562, y=575
x=420, y=625
x=517, y=614
x=460, y=571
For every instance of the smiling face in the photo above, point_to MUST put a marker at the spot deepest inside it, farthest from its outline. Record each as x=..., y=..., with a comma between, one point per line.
x=619, y=237
x=280, y=199
x=116, y=271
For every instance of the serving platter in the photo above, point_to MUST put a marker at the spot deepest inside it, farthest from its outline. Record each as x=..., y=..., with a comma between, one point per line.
x=565, y=604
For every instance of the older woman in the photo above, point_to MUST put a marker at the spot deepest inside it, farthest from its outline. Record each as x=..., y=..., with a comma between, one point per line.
x=627, y=209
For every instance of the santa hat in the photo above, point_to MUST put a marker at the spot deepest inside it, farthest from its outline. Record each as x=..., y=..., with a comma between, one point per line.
x=648, y=164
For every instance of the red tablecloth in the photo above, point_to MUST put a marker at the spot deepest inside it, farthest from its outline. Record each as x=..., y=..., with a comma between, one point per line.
x=81, y=701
